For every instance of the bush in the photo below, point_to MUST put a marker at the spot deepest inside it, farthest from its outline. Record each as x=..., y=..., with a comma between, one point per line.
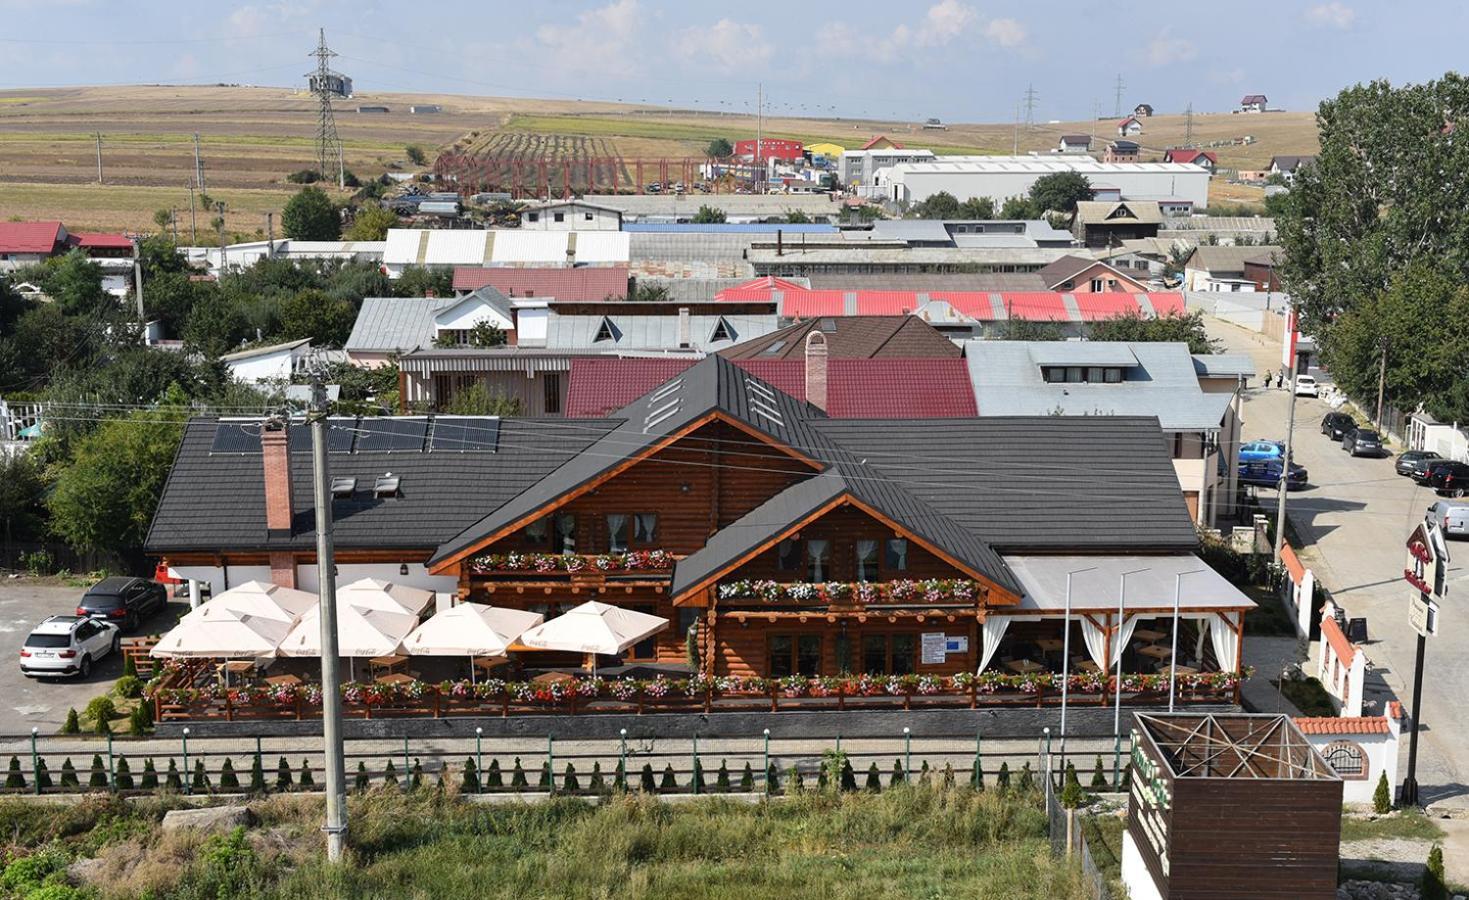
x=517, y=776
x=257, y=775
x=171, y=780
x=772, y=779
x=362, y=781
x=27, y=874
x=1099, y=775
x=139, y=721
x=129, y=667
x=469, y=784
x=1382, y=796
x=72, y=726
x=124, y=777
x=795, y=784
x=569, y=781
x=128, y=686
x=1027, y=779
x=150, y=776
x=99, y=773
x=228, y=780
x=282, y=775
x=43, y=777
x=69, y=774
x=390, y=775
x=544, y=782
x=721, y=778
x=645, y=782
x=874, y=779
x=1072, y=795
x=1434, y=887
x=415, y=778
x=696, y=778
x=597, y=784
x=200, y=784
x=669, y=782
x=898, y=777
x=1002, y=779
x=304, y=176
x=494, y=779
x=747, y=780
x=101, y=709
x=307, y=782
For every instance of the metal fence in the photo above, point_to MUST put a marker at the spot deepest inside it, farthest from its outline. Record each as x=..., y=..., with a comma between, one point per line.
x=1095, y=881
x=56, y=764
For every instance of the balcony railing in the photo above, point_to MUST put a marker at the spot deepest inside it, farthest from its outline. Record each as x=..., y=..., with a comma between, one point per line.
x=903, y=592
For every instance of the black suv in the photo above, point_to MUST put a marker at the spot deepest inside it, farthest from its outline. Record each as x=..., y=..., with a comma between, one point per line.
x=1448, y=478
x=125, y=602
x=1336, y=425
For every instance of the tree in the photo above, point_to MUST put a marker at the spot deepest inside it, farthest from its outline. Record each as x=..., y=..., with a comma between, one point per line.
x=479, y=400
x=1029, y=330
x=796, y=217
x=648, y=292
x=415, y=155
x=372, y=223
x=74, y=283
x=420, y=281
x=941, y=205
x=314, y=314
x=1381, y=796
x=104, y=501
x=158, y=254
x=216, y=325
x=1187, y=328
x=1434, y=887
x=311, y=216
x=1019, y=208
x=21, y=490
x=162, y=218
x=719, y=148
x=1060, y=191
x=709, y=215
x=977, y=208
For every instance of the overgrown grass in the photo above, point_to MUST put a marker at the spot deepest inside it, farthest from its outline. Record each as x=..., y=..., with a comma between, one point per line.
x=1269, y=617
x=1407, y=824
x=915, y=841
x=1308, y=695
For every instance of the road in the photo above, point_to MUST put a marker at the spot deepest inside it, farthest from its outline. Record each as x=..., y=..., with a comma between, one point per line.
x=1354, y=519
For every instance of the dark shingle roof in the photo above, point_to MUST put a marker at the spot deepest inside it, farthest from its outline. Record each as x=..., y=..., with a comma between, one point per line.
x=215, y=501
x=850, y=337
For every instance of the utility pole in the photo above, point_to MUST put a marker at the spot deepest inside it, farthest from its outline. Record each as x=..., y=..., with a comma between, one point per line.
x=759, y=143
x=99, y=157
x=324, y=84
x=1030, y=98
x=1290, y=427
x=138, y=282
x=173, y=216
x=1381, y=381
x=1015, y=143
x=1120, y=86
x=331, y=696
x=1096, y=114
x=1188, y=126
x=198, y=164
x=270, y=233
x=193, y=218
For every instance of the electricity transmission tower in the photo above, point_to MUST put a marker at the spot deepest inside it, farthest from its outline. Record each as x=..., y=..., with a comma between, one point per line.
x=1188, y=126
x=1030, y=98
x=326, y=84
x=1120, y=86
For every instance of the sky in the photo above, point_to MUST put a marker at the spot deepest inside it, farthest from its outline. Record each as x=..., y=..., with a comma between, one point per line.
x=959, y=60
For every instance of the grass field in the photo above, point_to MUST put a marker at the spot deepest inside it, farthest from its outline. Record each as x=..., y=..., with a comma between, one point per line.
x=905, y=842
x=252, y=137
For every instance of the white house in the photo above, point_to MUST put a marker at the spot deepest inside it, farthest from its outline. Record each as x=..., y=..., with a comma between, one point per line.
x=1451, y=441
x=1129, y=126
x=274, y=363
x=387, y=327
x=1074, y=143
x=502, y=247
x=1341, y=665
x=570, y=215
x=1360, y=749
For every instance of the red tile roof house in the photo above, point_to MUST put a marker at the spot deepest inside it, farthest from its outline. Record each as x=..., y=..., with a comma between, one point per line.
x=1206, y=159
x=27, y=243
x=1361, y=749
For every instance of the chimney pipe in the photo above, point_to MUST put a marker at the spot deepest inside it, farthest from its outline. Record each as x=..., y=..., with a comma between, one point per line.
x=779, y=242
x=685, y=329
x=816, y=359
x=278, y=511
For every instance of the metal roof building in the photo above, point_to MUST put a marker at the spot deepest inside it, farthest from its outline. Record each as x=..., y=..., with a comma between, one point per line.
x=426, y=247
x=1001, y=177
x=737, y=208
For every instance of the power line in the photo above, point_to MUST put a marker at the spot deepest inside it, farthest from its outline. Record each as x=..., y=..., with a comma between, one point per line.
x=1119, y=89
x=1030, y=98
x=326, y=84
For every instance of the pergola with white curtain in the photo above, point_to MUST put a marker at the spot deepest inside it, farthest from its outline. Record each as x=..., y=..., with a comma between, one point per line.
x=1146, y=593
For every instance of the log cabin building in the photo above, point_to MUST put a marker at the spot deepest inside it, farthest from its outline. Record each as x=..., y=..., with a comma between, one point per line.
x=776, y=541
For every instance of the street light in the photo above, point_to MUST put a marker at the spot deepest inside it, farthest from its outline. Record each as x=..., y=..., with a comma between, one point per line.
x=1066, y=652
x=1121, y=595
x=1173, y=657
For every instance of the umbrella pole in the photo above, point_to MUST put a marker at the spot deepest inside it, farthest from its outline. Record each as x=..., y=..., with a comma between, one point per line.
x=472, y=667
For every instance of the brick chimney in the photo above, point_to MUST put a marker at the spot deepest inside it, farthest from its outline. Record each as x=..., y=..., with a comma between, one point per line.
x=685, y=328
x=816, y=369
x=278, y=513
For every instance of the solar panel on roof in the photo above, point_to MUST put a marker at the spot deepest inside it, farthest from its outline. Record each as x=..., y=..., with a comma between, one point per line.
x=391, y=435
x=340, y=433
x=451, y=434
x=236, y=437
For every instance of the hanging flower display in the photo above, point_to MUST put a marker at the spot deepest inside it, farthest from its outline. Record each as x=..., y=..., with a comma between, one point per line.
x=932, y=590
x=631, y=561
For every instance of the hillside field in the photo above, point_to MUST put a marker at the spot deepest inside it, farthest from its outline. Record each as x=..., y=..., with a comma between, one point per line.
x=251, y=138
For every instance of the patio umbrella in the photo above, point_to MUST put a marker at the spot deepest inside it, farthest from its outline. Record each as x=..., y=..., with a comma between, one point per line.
x=221, y=632
x=259, y=598
x=470, y=629
x=594, y=628
x=374, y=593
x=360, y=632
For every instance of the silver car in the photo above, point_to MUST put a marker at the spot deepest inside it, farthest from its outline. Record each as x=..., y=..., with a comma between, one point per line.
x=67, y=645
x=1452, y=516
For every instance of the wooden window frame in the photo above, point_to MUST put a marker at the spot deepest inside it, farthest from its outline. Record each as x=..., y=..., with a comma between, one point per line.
x=795, y=657
x=544, y=541
x=887, y=638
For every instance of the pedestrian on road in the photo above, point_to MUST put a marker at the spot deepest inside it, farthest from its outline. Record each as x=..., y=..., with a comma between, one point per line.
x=1269, y=373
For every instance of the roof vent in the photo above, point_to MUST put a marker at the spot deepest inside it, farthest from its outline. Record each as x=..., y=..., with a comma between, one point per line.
x=386, y=485
x=343, y=487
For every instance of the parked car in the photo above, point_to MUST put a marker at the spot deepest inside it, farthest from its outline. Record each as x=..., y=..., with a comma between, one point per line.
x=1251, y=451
x=1411, y=460
x=123, y=601
x=1335, y=425
x=1447, y=477
x=1452, y=516
x=1306, y=386
x=1363, y=442
x=67, y=645
x=1266, y=473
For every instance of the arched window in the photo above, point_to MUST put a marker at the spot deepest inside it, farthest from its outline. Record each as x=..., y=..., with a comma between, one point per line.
x=1346, y=759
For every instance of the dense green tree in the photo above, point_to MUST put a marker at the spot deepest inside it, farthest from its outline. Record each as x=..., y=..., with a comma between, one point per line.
x=371, y=223
x=104, y=501
x=21, y=492
x=45, y=339
x=479, y=400
x=940, y=205
x=977, y=208
x=1060, y=191
x=415, y=155
x=1188, y=328
x=12, y=306
x=316, y=315
x=169, y=298
x=1019, y=208
x=719, y=148
x=216, y=325
x=420, y=281
x=355, y=280
x=1029, y=330
x=311, y=216
x=709, y=215
x=796, y=217
x=158, y=254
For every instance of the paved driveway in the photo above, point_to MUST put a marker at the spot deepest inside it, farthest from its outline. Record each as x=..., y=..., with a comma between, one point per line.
x=42, y=703
x=1355, y=518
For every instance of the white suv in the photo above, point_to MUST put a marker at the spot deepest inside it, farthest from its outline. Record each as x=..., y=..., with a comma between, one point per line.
x=68, y=645
x=1306, y=386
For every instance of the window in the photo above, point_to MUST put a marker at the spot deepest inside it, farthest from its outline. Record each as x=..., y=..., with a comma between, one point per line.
x=1346, y=759
x=560, y=217
x=564, y=538
x=818, y=556
x=896, y=555
x=1094, y=374
x=537, y=533
x=889, y=654
x=587, y=217
x=648, y=647
x=605, y=331
x=551, y=385
x=533, y=217
x=794, y=655
x=788, y=556
x=645, y=528
x=616, y=533
x=721, y=332
x=1112, y=375
x=1096, y=285
x=865, y=554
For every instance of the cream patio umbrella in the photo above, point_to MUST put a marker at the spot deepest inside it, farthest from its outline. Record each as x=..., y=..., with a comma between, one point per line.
x=471, y=629
x=259, y=598
x=374, y=593
x=594, y=628
x=219, y=631
x=360, y=632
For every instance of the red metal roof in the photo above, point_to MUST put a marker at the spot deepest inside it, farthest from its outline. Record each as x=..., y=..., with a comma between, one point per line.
x=29, y=237
x=882, y=137
x=97, y=240
x=1343, y=725
x=798, y=303
x=856, y=388
x=583, y=283
x=1188, y=155
x=770, y=148
x=1344, y=649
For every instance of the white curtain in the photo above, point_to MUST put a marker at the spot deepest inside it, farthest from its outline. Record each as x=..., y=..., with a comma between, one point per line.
x=994, y=631
x=1129, y=625
x=1225, y=643
x=1096, y=642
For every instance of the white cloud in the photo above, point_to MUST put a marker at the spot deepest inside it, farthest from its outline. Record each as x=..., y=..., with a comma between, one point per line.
x=1165, y=49
x=729, y=45
x=601, y=42
x=1334, y=14
x=1005, y=32
x=943, y=22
